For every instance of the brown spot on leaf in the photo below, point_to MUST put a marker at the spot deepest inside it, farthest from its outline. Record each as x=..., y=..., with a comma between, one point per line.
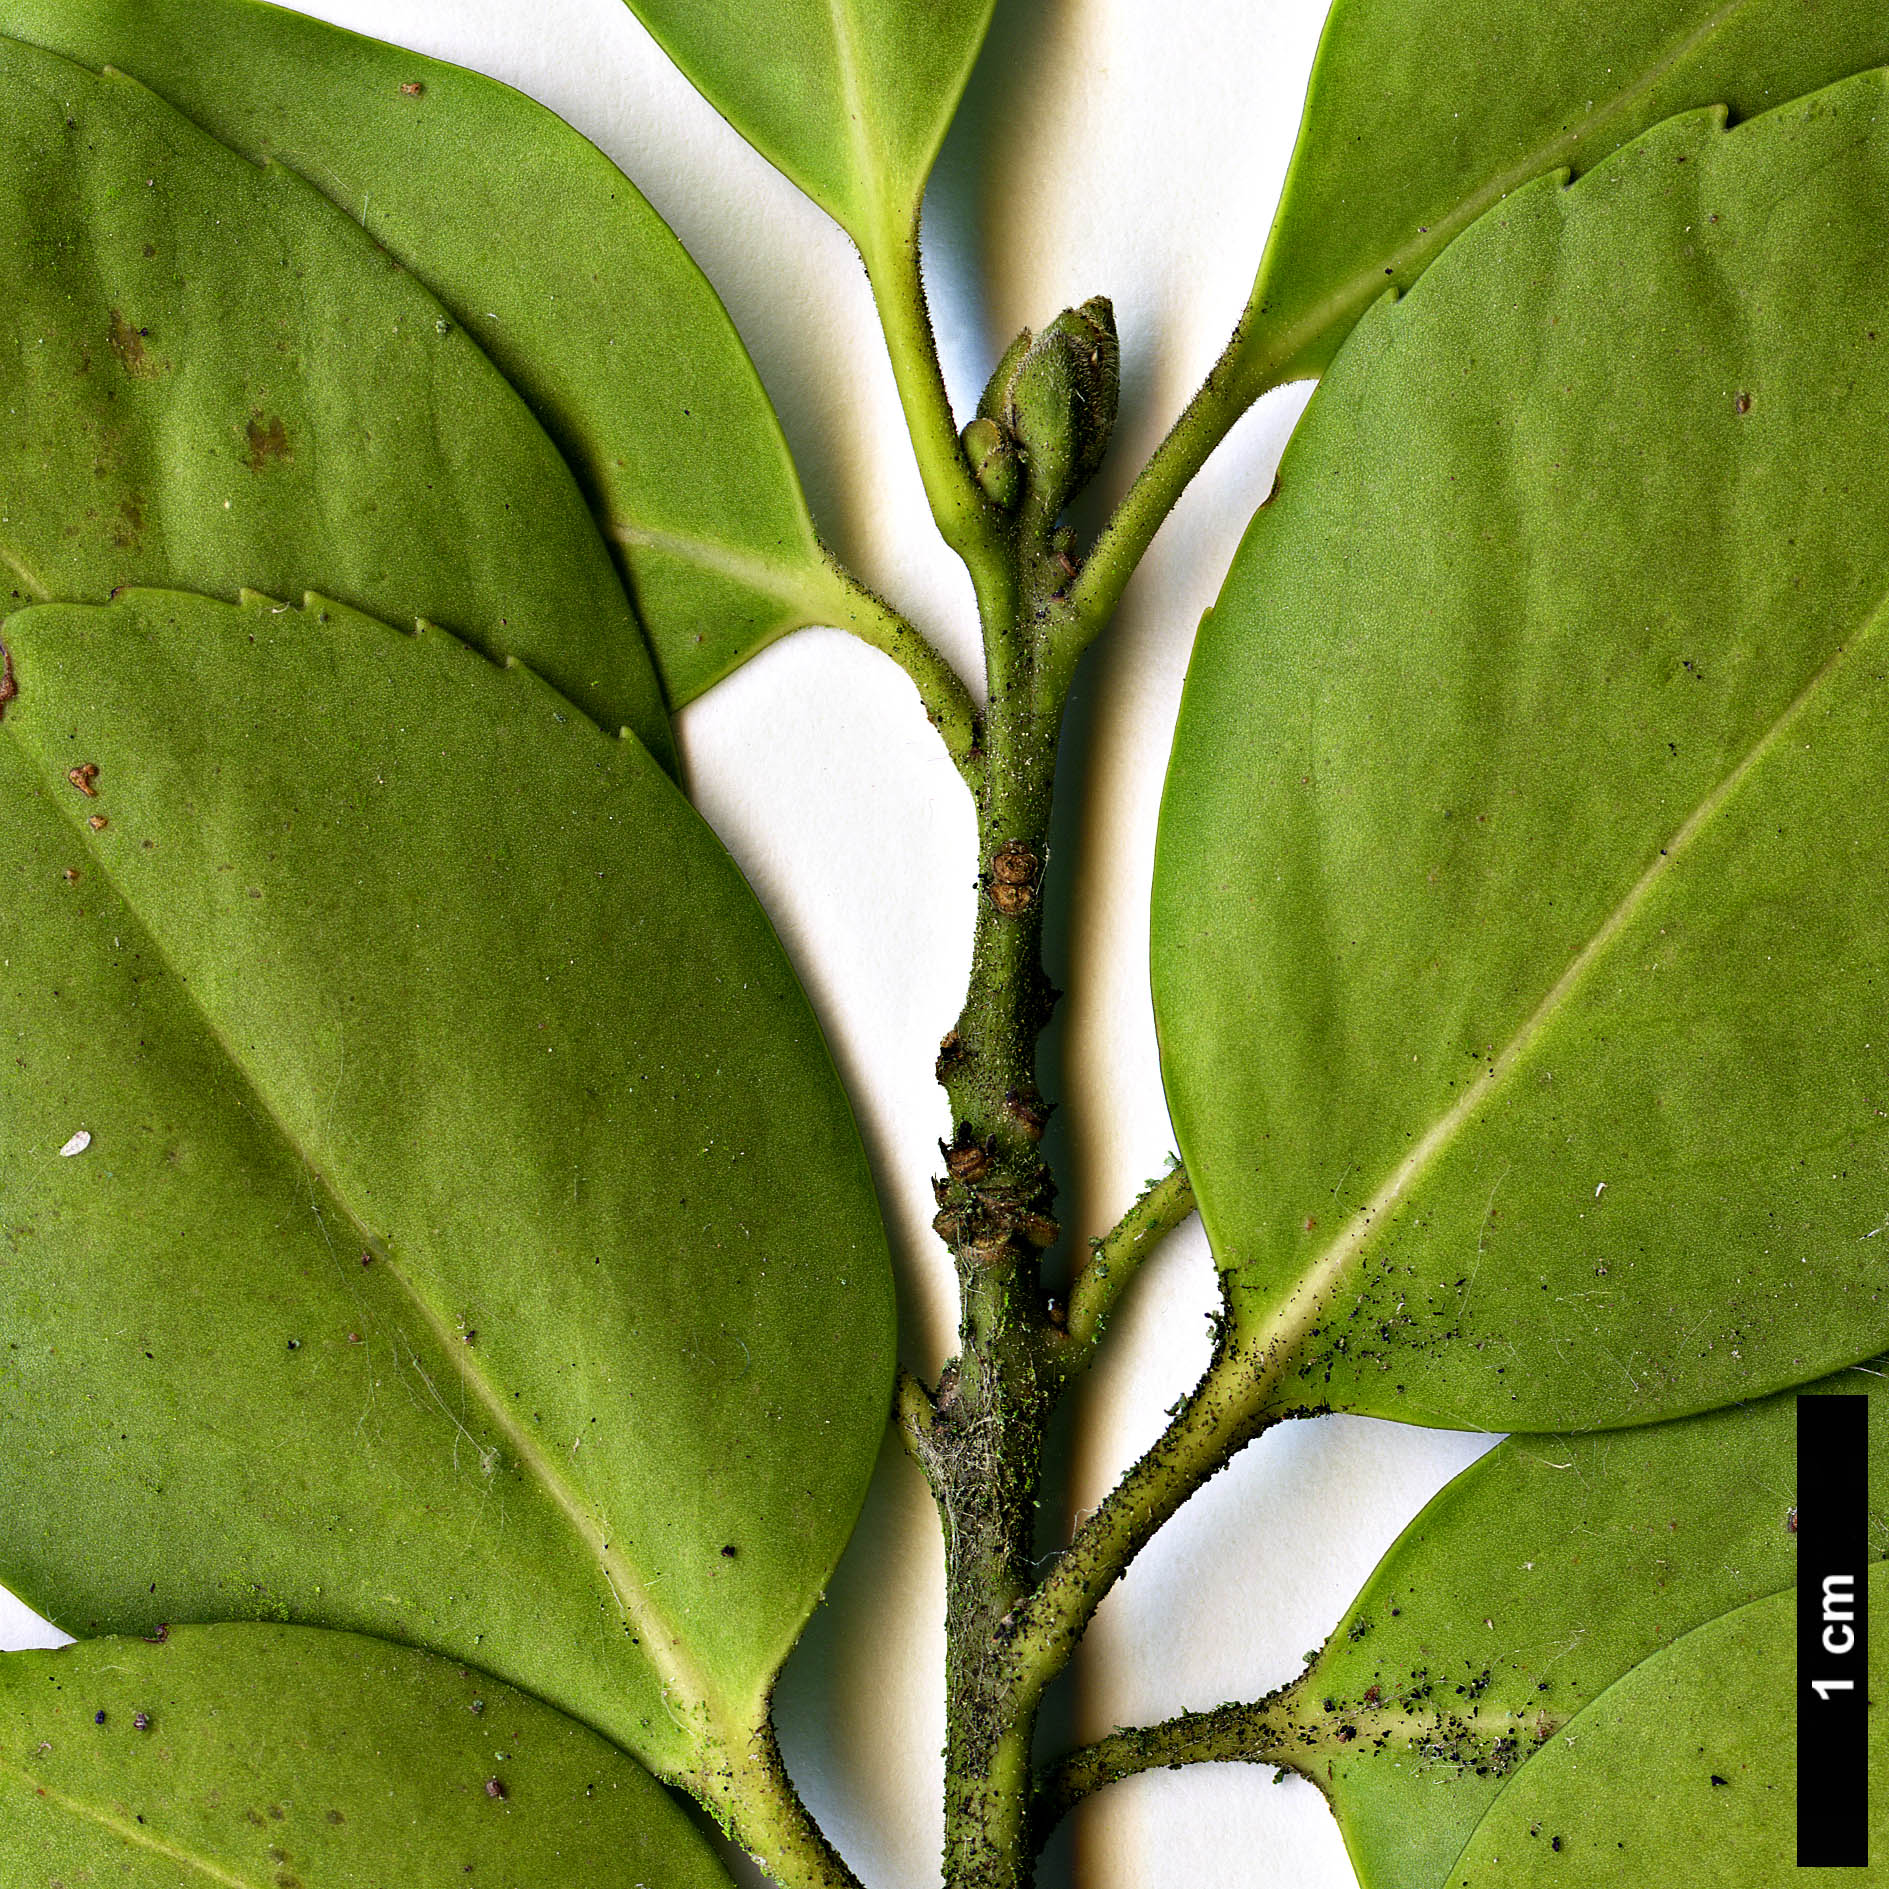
x=85, y=778
x=412, y=88
x=98, y=823
x=1742, y=405
x=127, y=343
x=8, y=687
x=267, y=440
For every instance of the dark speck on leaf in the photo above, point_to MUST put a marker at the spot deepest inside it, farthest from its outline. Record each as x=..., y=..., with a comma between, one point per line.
x=1554, y=1843
x=267, y=440
x=142, y=1720
x=295, y=1344
x=413, y=88
x=1719, y=1781
x=1742, y=404
x=98, y=1718
x=728, y=1553
x=493, y=1787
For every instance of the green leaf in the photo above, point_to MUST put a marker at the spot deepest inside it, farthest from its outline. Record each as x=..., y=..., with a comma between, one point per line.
x=557, y=266
x=1517, y=937
x=473, y=1244
x=1685, y=1773
x=851, y=98
x=1422, y=114
x=1573, y=1635
x=217, y=379
x=323, y=1760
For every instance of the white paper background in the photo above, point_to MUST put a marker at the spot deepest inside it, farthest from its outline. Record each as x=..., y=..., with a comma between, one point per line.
x=1106, y=146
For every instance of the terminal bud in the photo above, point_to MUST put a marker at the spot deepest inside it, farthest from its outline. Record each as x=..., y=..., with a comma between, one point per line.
x=1054, y=394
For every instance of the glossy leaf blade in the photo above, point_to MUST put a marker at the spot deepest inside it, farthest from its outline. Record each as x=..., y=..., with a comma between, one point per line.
x=216, y=378
x=556, y=265
x=260, y=1754
x=1422, y=115
x=851, y=98
x=1504, y=1622
x=571, y=1153
x=1516, y=944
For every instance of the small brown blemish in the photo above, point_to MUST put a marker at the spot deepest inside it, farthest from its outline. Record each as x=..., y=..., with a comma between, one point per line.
x=98, y=823
x=412, y=88
x=494, y=1787
x=729, y=1552
x=966, y=1160
x=952, y=1055
x=8, y=687
x=70, y=874
x=85, y=778
x=1742, y=404
x=127, y=343
x=267, y=440
x=1013, y=864
x=1014, y=871
x=1030, y=1113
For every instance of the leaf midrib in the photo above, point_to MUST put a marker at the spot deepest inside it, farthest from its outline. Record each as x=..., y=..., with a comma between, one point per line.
x=853, y=106
x=141, y=1835
x=1368, y=283
x=658, y=1641
x=1290, y=1328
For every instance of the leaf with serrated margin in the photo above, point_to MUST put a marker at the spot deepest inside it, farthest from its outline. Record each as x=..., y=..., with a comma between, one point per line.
x=552, y=260
x=851, y=98
x=214, y=378
x=473, y=1245
x=1561, y=1596
x=1421, y=114
x=265, y=1754
x=1518, y=936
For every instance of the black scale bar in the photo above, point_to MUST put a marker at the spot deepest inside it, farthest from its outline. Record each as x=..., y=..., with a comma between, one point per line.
x=1832, y=1632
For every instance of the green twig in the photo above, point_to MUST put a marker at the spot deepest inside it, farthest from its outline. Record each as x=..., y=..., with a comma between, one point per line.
x=747, y=1789
x=948, y=705
x=1267, y=1732
x=966, y=519
x=1165, y=1206
x=1248, y=368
